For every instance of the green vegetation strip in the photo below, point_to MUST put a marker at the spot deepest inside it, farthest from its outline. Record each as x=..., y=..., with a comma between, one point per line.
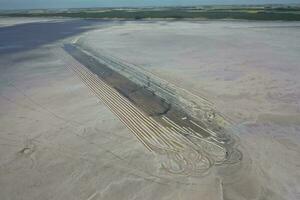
x=248, y=14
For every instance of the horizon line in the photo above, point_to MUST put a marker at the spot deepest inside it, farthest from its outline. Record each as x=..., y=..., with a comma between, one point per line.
x=160, y=6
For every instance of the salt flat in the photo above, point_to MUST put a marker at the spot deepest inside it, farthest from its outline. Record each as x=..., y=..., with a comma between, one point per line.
x=58, y=141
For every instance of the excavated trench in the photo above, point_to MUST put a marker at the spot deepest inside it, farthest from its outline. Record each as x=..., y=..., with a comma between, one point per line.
x=169, y=125
x=141, y=96
x=138, y=95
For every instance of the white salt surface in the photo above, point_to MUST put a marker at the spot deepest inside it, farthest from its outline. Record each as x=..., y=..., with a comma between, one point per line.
x=250, y=70
x=57, y=141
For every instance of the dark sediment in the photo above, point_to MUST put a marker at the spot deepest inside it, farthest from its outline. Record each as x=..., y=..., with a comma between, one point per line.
x=140, y=95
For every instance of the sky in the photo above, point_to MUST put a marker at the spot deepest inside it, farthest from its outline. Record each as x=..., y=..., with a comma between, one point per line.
x=33, y=4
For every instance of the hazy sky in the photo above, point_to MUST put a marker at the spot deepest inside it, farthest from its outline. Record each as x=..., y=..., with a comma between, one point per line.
x=20, y=4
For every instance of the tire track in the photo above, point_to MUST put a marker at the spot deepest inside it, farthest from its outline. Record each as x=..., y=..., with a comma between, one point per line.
x=180, y=145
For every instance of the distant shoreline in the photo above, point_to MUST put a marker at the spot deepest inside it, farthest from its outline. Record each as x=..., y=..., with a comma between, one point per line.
x=266, y=13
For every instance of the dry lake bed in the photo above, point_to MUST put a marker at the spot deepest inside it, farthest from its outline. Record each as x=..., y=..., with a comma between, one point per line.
x=149, y=109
